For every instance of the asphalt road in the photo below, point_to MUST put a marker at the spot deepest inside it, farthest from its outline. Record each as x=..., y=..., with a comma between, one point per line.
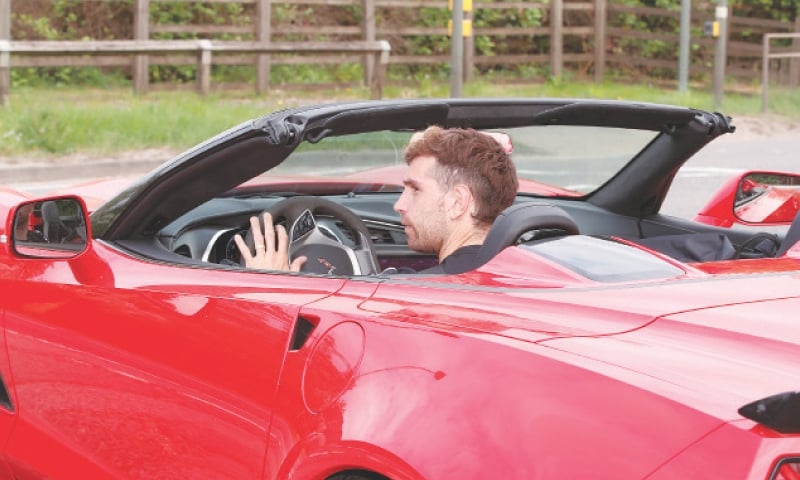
x=725, y=157
x=750, y=148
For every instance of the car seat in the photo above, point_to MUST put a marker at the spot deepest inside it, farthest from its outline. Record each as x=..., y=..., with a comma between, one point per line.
x=524, y=222
x=791, y=237
x=54, y=230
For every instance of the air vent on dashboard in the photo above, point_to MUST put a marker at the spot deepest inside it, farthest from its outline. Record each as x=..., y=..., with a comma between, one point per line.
x=379, y=234
x=387, y=237
x=345, y=230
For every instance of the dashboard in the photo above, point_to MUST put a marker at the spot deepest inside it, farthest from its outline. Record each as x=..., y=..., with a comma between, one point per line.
x=206, y=233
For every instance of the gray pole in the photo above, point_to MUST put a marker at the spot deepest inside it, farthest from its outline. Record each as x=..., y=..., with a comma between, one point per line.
x=369, y=32
x=720, y=55
x=263, y=22
x=141, y=31
x=457, y=49
x=5, y=56
x=683, y=62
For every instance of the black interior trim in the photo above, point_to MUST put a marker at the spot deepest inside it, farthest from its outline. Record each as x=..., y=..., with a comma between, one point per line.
x=5, y=398
x=181, y=190
x=302, y=330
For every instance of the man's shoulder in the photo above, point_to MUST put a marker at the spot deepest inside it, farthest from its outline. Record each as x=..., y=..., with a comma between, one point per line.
x=460, y=261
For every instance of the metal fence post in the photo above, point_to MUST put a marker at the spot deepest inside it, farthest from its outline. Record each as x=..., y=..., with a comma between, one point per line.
x=5, y=54
x=263, y=35
x=369, y=30
x=469, y=42
x=720, y=52
x=684, y=46
x=600, y=22
x=557, y=37
x=457, y=48
x=765, y=71
x=141, y=31
x=794, y=64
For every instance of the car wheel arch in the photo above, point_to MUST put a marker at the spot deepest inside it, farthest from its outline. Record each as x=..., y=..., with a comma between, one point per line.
x=357, y=475
x=343, y=460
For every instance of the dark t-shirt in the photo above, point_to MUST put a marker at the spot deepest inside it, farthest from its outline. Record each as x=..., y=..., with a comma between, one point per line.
x=460, y=261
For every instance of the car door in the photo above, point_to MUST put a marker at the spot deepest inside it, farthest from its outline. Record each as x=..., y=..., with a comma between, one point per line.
x=124, y=368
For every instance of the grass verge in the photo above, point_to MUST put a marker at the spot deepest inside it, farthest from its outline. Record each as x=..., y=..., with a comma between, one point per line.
x=61, y=121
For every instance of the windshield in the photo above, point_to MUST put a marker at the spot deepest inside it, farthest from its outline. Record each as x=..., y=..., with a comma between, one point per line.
x=550, y=160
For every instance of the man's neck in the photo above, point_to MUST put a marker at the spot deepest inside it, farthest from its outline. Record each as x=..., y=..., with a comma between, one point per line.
x=457, y=240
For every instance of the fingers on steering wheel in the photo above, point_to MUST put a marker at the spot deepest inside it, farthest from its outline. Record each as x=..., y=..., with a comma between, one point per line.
x=267, y=239
x=297, y=263
x=244, y=250
x=273, y=232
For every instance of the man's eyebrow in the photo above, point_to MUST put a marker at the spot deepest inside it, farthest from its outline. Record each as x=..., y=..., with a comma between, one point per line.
x=410, y=182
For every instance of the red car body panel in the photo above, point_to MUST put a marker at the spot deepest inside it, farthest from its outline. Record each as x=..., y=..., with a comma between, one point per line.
x=776, y=205
x=483, y=336
x=131, y=361
x=771, y=207
x=144, y=363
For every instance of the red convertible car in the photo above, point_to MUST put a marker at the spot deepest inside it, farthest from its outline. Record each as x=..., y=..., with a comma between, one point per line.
x=595, y=337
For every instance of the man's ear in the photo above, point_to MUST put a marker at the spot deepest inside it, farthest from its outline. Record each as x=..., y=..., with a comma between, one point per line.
x=458, y=201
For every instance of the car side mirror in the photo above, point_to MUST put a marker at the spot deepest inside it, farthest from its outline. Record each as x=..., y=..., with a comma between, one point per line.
x=754, y=198
x=50, y=228
x=767, y=198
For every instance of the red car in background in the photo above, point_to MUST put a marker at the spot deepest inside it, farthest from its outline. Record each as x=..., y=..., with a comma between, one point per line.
x=595, y=337
x=755, y=198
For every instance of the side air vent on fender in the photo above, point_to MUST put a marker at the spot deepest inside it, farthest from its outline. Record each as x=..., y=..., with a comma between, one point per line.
x=302, y=329
x=5, y=399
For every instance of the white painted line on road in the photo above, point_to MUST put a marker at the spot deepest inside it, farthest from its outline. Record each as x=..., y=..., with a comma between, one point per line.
x=699, y=172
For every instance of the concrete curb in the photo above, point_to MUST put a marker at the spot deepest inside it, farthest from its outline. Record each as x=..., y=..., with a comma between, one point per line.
x=10, y=174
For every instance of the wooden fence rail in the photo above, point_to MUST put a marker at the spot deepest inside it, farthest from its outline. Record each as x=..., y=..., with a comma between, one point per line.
x=582, y=36
x=204, y=49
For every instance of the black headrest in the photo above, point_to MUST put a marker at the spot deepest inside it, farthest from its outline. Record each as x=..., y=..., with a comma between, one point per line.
x=520, y=218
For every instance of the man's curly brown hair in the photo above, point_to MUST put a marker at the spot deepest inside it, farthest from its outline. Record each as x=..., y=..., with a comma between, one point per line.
x=469, y=157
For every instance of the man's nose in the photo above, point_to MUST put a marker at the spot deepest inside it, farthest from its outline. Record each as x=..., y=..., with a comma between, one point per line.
x=399, y=205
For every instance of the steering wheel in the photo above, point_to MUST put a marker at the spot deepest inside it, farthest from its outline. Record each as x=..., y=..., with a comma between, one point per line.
x=326, y=252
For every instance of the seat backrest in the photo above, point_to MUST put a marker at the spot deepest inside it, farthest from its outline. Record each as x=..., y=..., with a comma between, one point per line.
x=54, y=229
x=519, y=219
x=791, y=237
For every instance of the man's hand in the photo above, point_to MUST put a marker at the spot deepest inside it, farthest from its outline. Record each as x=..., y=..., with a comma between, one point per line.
x=268, y=256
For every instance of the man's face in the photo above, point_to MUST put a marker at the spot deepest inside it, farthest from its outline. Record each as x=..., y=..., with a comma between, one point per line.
x=421, y=207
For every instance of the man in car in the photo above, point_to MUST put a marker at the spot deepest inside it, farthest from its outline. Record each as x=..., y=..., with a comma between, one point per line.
x=457, y=182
